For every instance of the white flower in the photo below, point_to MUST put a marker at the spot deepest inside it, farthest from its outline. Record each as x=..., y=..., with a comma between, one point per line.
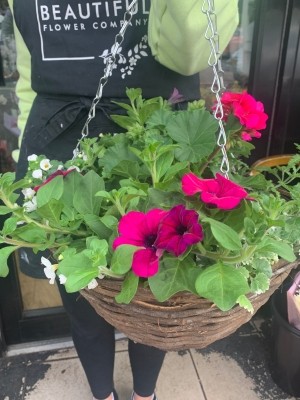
x=21, y=222
x=28, y=193
x=33, y=157
x=60, y=167
x=74, y=167
x=30, y=205
x=62, y=279
x=92, y=284
x=49, y=270
x=45, y=164
x=37, y=174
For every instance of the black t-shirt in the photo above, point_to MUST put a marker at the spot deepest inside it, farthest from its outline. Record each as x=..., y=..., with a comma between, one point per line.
x=69, y=43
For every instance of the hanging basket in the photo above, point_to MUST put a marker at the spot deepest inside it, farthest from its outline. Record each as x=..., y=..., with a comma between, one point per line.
x=184, y=321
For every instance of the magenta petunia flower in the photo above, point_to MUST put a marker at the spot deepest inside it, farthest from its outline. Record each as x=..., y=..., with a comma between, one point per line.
x=141, y=229
x=179, y=230
x=220, y=191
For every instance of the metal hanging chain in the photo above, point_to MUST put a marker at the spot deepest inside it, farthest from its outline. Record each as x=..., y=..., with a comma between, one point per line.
x=110, y=63
x=217, y=86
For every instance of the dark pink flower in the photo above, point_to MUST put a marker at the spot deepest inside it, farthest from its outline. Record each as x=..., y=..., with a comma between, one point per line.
x=179, y=230
x=175, y=97
x=141, y=229
x=52, y=176
x=220, y=191
x=249, y=112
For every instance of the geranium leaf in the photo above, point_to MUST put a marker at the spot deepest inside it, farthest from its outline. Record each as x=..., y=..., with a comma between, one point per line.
x=194, y=131
x=222, y=284
x=174, y=276
x=129, y=288
x=226, y=236
x=5, y=252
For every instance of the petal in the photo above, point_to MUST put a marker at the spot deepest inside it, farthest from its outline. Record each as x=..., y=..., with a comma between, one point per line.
x=131, y=227
x=145, y=263
x=191, y=184
x=46, y=262
x=153, y=219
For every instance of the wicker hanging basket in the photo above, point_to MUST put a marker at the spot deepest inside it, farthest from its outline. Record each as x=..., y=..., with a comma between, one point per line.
x=184, y=321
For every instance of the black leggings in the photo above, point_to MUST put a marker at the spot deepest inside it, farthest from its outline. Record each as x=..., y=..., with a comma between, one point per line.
x=94, y=340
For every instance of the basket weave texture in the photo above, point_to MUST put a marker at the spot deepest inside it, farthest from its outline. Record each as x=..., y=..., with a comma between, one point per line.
x=184, y=321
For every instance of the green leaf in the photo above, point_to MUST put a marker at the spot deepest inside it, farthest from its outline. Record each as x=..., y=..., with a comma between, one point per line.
x=127, y=169
x=51, y=211
x=222, y=284
x=121, y=261
x=30, y=233
x=226, y=236
x=116, y=154
x=262, y=265
x=163, y=164
x=71, y=183
x=245, y=303
x=78, y=269
x=96, y=224
x=85, y=201
x=5, y=252
x=9, y=226
x=51, y=190
x=129, y=289
x=283, y=249
x=7, y=179
x=175, y=169
x=194, y=131
x=260, y=283
x=174, y=276
x=162, y=198
x=4, y=210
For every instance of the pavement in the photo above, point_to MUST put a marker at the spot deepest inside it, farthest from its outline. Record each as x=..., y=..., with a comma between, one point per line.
x=234, y=368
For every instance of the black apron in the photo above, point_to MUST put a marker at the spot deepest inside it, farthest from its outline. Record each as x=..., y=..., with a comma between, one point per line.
x=69, y=44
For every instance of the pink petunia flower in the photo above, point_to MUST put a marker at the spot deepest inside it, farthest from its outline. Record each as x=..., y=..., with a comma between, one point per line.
x=179, y=230
x=141, y=229
x=52, y=176
x=249, y=112
x=221, y=192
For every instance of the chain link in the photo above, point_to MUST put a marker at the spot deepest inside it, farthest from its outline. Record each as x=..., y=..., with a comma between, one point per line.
x=217, y=87
x=110, y=63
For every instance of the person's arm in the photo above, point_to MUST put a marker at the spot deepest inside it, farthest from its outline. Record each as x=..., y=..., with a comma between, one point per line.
x=177, y=29
x=24, y=91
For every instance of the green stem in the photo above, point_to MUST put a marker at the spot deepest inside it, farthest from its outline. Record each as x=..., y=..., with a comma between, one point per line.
x=107, y=272
x=211, y=157
x=28, y=220
x=245, y=254
x=20, y=243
